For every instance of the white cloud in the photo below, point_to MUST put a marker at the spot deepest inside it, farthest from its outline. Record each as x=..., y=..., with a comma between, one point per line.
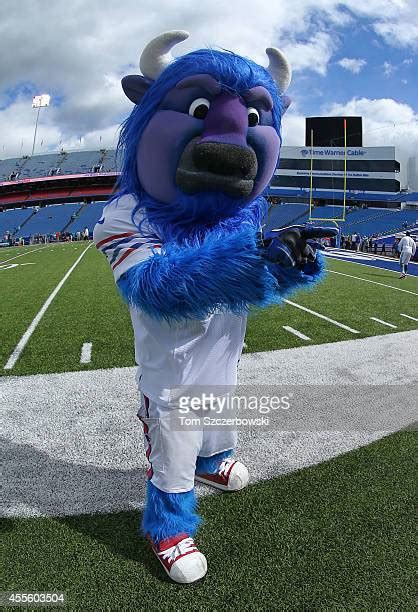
x=79, y=54
x=352, y=64
x=388, y=68
x=313, y=54
x=386, y=122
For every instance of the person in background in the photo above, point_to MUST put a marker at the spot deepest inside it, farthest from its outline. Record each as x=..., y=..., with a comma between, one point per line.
x=406, y=248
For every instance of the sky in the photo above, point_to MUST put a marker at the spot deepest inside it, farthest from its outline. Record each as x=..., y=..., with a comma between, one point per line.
x=350, y=57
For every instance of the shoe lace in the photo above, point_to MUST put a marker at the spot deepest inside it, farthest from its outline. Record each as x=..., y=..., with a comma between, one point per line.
x=182, y=547
x=225, y=465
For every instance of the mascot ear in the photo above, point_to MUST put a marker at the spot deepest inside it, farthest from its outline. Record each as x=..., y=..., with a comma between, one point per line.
x=135, y=86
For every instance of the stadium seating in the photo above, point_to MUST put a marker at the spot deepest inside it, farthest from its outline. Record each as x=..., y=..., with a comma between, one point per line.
x=285, y=214
x=87, y=217
x=11, y=166
x=81, y=162
x=39, y=165
x=77, y=162
x=49, y=220
x=11, y=220
x=364, y=221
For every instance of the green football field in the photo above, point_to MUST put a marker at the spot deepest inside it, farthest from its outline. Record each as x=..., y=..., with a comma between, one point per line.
x=88, y=309
x=334, y=536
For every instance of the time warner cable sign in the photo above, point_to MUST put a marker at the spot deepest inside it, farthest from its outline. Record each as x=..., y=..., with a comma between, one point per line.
x=366, y=153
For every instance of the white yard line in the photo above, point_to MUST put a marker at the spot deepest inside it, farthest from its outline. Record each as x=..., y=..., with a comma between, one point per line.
x=321, y=316
x=366, y=280
x=22, y=254
x=28, y=333
x=408, y=317
x=384, y=323
x=86, y=353
x=295, y=332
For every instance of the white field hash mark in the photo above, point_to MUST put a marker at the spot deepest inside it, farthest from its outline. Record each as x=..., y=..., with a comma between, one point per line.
x=366, y=280
x=384, y=323
x=86, y=353
x=296, y=332
x=28, y=333
x=321, y=316
x=408, y=317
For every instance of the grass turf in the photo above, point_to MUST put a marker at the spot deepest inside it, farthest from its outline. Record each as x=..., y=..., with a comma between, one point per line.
x=336, y=536
x=89, y=309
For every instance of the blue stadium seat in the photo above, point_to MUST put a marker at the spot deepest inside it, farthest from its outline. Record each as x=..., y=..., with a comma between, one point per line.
x=49, y=220
x=285, y=214
x=88, y=217
x=10, y=220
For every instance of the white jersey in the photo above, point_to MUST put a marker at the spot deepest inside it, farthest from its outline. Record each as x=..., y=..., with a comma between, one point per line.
x=407, y=245
x=169, y=355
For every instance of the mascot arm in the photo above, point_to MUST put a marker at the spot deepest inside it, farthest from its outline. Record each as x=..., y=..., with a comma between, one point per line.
x=292, y=257
x=224, y=272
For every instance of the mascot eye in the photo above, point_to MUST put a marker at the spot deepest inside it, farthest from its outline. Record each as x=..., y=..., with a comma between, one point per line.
x=253, y=117
x=199, y=108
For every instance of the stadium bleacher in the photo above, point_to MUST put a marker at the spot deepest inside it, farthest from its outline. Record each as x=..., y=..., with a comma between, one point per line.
x=285, y=214
x=366, y=221
x=39, y=165
x=49, y=220
x=11, y=220
x=10, y=167
x=87, y=217
x=81, y=162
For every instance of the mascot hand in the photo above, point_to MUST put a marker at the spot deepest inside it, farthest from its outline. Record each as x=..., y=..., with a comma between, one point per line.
x=294, y=246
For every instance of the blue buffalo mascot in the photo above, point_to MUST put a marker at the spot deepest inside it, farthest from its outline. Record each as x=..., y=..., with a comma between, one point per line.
x=182, y=236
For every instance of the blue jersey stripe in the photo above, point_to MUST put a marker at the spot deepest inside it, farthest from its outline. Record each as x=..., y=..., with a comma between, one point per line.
x=136, y=245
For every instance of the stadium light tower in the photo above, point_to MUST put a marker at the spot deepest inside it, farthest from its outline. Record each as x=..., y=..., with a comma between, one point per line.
x=39, y=102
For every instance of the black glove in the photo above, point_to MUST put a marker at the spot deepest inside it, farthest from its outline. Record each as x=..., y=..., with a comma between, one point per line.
x=294, y=246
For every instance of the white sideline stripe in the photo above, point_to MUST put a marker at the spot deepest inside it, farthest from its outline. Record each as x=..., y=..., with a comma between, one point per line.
x=384, y=323
x=321, y=316
x=25, y=338
x=408, y=317
x=22, y=254
x=295, y=332
x=86, y=353
x=366, y=280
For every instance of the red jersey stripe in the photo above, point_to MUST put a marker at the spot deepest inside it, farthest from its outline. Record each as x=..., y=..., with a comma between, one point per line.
x=113, y=237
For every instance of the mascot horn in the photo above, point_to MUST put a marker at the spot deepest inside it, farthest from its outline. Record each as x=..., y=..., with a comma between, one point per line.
x=182, y=236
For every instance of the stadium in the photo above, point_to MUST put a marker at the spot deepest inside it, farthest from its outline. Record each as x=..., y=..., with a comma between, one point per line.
x=327, y=521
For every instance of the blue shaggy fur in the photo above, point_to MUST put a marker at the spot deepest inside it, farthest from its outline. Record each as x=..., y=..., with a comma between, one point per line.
x=168, y=514
x=223, y=272
x=210, y=465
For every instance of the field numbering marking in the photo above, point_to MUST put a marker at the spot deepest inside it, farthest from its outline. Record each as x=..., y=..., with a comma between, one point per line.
x=321, y=316
x=295, y=332
x=86, y=353
x=22, y=254
x=408, y=317
x=384, y=323
x=28, y=333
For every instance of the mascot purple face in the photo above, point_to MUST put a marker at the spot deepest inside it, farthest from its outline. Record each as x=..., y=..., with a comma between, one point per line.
x=210, y=121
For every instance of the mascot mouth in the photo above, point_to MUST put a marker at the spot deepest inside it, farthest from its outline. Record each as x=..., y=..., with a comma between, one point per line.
x=218, y=167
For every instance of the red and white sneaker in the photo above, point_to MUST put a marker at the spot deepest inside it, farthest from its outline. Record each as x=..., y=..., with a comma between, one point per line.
x=180, y=558
x=232, y=475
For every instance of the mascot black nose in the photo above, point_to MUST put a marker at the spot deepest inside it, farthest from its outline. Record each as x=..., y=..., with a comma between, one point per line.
x=225, y=159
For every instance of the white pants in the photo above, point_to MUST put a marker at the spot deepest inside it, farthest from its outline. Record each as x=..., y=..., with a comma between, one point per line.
x=172, y=451
x=405, y=258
